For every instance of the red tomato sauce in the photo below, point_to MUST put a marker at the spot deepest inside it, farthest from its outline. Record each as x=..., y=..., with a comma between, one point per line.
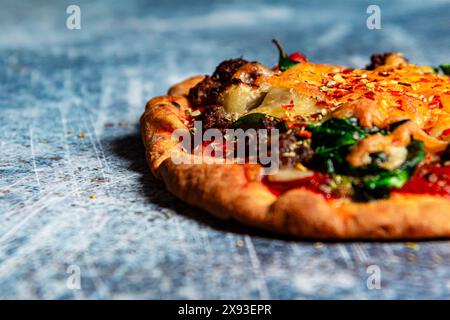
x=316, y=183
x=431, y=179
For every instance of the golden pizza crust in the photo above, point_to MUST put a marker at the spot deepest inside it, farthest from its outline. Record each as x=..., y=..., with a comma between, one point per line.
x=298, y=212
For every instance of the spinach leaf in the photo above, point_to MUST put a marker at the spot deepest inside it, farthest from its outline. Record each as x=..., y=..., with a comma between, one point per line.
x=259, y=121
x=251, y=120
x=332, y=141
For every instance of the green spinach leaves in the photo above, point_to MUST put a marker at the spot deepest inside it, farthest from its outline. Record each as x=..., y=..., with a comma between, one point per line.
x=332, y=141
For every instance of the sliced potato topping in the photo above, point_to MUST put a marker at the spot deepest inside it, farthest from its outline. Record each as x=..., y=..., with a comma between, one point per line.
x=241, y=97
x=289, y=174
x=283, y=102
x=248, y=88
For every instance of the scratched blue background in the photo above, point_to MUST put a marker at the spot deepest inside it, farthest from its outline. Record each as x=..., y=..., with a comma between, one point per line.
x=91, y=202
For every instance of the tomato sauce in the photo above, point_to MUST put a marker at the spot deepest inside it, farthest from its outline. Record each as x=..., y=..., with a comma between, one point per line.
x=432, y=179
x=316, y=183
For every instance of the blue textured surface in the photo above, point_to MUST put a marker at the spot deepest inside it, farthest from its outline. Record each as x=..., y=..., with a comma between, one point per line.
x=133, y=239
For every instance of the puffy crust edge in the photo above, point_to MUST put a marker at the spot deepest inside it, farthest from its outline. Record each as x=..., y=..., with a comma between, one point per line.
x=299, y=213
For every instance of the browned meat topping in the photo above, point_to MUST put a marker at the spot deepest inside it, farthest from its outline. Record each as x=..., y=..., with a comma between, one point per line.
x=226, y=69
x=391, y=58
x=207, y=91
x=292, y=151
x=215, y=116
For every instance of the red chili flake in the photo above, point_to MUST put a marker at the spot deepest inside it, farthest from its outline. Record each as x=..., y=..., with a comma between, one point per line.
x=428, y=157
x=347, y=71
x=360, y=86
x=446, y=132
x=297, y=125
x=435, y=103
x=322, y=103
x=400, y=104
x=305, y=134
x=370, y=95
x=289, y=106
x=338, y=93
x=345, y=86
x=395, y=93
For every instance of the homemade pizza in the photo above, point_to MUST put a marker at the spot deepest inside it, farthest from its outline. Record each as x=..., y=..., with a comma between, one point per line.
x=330, y=152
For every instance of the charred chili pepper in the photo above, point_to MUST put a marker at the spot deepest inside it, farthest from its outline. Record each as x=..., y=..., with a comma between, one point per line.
x=285, y=62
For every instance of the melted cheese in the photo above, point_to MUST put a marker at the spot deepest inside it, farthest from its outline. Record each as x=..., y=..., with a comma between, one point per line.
x=376, y=97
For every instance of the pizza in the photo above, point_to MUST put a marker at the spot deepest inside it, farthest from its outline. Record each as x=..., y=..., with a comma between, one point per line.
x=360, y=153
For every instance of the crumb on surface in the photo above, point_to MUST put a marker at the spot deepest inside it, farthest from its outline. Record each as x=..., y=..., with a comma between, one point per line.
x=411, y=257
x=318, y=245
x=412, y=245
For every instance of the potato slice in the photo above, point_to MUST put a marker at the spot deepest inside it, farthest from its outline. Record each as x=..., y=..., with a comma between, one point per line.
x=280, y=102
x=285, y=175
x=241, y=97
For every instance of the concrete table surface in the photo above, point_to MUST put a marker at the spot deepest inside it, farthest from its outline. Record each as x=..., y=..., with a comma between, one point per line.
x=76, y=196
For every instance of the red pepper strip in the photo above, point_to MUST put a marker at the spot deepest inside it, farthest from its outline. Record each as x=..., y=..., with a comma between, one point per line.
x=305, y=134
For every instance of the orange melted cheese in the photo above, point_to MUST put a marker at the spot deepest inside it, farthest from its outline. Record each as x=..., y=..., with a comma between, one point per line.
x=377, y=97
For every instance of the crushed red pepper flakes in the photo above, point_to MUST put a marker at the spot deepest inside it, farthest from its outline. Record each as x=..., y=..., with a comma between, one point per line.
x=435, y=103
x=446, y=132
x=305, y=134
x=289, y=106
x=370, y=95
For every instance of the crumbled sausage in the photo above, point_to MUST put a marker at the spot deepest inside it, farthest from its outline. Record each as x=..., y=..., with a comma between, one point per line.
x=376, y=60
x=391, y=58
x=292, y=152
x=215, y=116
x=207, y=91
x=226, y=69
